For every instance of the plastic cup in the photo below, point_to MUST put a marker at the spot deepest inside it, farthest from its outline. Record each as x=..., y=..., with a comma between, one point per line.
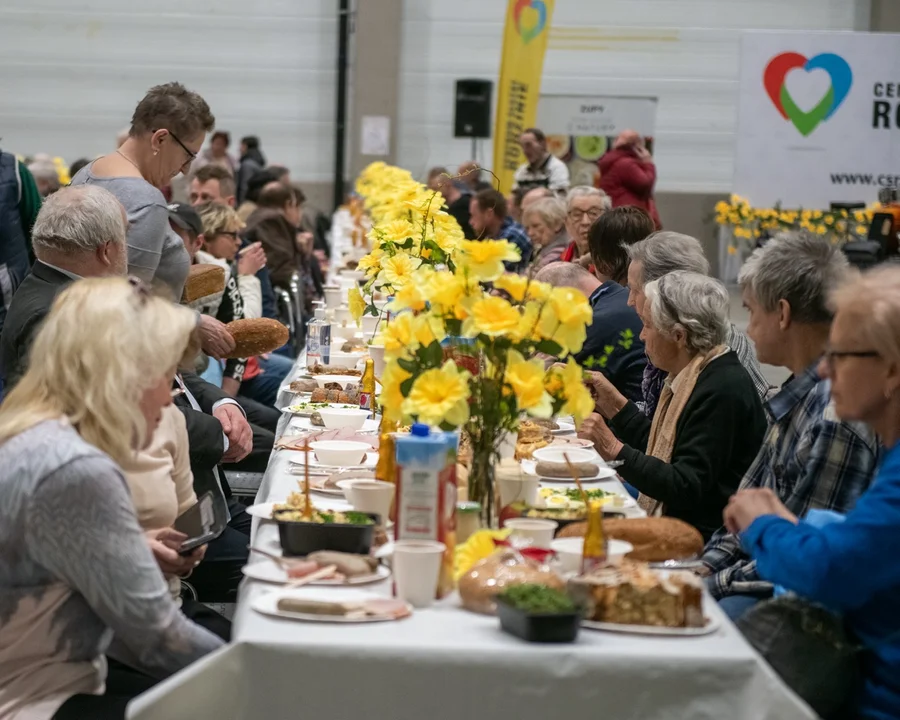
x=417, y=565
x=523, y=488
x=372, y=496
x=539, y=531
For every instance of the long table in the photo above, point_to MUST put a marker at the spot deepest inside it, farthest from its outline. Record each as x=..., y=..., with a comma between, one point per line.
x=445, y=663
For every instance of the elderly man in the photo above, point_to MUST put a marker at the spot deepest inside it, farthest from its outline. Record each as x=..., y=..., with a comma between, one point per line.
x=490, y=221
x=809, y=458
x=541, y=169
x=615, y=325
x=662, y=253
x=583, y=206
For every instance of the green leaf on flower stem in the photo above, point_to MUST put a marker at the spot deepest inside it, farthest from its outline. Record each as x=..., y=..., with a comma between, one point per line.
x=407, y=364
x=432, y=354
x=406, y=386
x=453, y=326
x=549, y=347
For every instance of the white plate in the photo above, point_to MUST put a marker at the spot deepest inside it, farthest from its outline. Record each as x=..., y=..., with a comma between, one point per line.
x=564, y=428
x=603, y=473
x=712, y=624
x=307, y=411
x=262, y=510
x=302, y=422
x=576, y=454
x=296, y=468
x=267, y=604
x=268, y=571
x=625, y=501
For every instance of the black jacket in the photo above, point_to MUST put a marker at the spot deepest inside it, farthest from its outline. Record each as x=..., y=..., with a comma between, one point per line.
x=718, y=435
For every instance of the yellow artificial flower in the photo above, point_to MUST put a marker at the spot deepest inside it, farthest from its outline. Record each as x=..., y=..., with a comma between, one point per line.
x=526, y=378
x=485, y=258
x=370, y=264
x=407, y=332
x=521, y=287
x=395, y=231
x=409, y=297
x=578, y=401
x=396, y=271
x=357, y=304
x=391, y=399
x=565, y=318
x=492, y=316
x=440, y=396
x=446, y=290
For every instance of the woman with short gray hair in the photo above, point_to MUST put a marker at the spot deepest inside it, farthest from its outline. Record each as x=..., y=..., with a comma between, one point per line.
x=545, y=223
x=709, y=424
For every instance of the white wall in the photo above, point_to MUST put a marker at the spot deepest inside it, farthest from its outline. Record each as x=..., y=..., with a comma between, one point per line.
x=685, y=52
x=72, y=71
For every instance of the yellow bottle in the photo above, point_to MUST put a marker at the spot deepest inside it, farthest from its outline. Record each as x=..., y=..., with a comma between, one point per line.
x=594, y=552
x=386, y=469
x=367, y=388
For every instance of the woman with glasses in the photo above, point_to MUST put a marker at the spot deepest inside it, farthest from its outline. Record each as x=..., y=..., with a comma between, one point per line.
x=709, y=424
x=167, y=131
x=850, y=564
x=583, y=206
x=78, y=579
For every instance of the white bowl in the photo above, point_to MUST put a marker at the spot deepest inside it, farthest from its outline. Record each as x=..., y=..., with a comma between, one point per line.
x=344, y=380
x=576, y=455
x=569, y=550
x=369, y=323
x=537, y=530
x=351, y=274
x=340, y=453
x=342, y=359
x=335, y=418
x=334, y=296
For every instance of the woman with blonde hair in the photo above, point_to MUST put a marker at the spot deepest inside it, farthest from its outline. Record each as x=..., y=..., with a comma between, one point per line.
x=77, y=569
x=848, y=563
x=545, y=223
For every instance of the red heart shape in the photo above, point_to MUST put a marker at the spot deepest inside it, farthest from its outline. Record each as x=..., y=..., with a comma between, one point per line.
x=774, y=74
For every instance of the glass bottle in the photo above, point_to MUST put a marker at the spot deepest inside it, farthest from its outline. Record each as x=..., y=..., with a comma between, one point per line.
x=594, y=553
x=367, y=388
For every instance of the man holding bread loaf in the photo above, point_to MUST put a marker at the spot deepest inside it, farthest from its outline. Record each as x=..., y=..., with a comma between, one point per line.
x=809, y=457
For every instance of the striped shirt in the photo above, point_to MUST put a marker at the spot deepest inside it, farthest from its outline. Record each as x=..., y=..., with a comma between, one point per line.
x=515, y=233
x=654, y=378
x=809, y=459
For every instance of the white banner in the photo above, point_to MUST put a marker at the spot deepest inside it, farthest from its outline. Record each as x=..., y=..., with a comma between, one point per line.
x=580, y=129
x=818, y=118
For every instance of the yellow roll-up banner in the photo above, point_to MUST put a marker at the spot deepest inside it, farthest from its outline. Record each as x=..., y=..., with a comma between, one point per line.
x=519, y=86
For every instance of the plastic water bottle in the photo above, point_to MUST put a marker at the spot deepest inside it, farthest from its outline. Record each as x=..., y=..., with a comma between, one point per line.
x=318, y=338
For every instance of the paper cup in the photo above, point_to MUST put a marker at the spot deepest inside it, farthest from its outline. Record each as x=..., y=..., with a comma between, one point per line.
x=376, y=352
x=519, y=489
x=334, y=296
x=416, y=566
x=539, y=531
x=371, y=496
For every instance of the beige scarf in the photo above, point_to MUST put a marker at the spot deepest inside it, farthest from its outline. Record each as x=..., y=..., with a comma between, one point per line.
x=668, y=410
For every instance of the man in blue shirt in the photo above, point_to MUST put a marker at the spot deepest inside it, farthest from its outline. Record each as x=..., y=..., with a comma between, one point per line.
x=613, y=344
x=809, y=458
x=489, y=219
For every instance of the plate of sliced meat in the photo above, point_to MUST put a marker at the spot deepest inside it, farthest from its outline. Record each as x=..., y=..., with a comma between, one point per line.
x=339, y=605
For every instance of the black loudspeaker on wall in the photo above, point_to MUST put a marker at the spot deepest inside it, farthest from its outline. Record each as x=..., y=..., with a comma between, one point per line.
x=472, y=117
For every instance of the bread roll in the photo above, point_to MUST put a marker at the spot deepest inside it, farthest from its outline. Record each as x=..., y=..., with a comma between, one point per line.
x=203, y=281
x=561, y=470
x=654, y=539
x=256, y=336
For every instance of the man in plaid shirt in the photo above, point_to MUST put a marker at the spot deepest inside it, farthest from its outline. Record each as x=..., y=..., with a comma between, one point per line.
x=809, y=458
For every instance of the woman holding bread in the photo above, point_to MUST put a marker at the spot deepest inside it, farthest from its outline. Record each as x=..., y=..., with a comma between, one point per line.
x=848, y=563
x=77, y=567
x=709, y=426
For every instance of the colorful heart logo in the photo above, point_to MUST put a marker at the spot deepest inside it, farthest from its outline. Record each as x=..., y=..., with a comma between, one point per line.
x=841, y=80
x=528, y=31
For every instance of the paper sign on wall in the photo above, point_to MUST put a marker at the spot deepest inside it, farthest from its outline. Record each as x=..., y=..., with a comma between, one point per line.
x=375, y=135
x=818, y=118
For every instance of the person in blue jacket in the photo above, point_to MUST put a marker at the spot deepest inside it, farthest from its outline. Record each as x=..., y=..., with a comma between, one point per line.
x=852, y=567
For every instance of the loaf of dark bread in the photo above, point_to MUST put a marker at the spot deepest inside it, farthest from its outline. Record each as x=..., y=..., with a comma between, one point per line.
x=256, y=336
x=655, y=539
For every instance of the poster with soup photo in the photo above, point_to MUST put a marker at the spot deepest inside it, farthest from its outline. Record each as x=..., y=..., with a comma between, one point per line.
x=581, y=129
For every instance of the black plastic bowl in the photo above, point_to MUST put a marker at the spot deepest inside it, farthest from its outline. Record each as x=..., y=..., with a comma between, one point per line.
x=538, y=627
x=303, y=538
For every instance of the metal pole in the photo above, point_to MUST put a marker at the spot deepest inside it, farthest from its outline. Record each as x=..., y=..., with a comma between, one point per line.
x=340, y=131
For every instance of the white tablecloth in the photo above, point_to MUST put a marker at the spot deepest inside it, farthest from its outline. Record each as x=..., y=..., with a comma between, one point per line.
x=445, y=663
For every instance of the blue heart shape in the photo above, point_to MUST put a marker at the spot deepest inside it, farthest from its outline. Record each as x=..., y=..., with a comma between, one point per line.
x=841, y=76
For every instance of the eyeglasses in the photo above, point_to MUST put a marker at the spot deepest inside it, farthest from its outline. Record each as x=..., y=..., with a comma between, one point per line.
x=191, y=155
x=831, y=355
x=228, y=233
x=592, y=214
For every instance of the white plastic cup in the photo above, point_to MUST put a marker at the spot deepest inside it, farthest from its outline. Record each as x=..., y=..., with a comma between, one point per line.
x=376, y=352
x=372, y=496
x=334, y=296
x=523, y=488
x=539, y=531
x=417, y=567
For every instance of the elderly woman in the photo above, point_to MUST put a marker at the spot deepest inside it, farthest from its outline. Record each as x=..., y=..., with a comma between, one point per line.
x=583, y=206
x=850, y=565
x=709, y=424
x=545, y=223
x=167, y=131
x=611, y=234
x=77, y=568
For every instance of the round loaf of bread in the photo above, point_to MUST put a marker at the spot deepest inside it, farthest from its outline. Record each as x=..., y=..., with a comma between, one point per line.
x=655, y=539
x=203, y=281
x=256, y=336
